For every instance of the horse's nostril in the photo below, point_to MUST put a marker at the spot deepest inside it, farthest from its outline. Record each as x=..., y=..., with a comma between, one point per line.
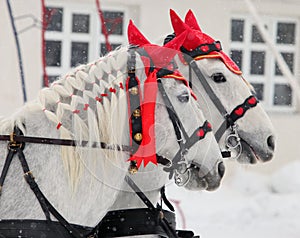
x=221, y=169
x=271, y=142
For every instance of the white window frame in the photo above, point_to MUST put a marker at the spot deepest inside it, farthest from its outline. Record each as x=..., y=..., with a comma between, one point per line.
x=94, y=38
x=269, y=79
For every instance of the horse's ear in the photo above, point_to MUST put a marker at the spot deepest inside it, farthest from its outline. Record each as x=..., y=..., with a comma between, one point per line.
x=178, y=25
x=177, y=42
x=191, y=21
x=162, y=56
x=135, y=37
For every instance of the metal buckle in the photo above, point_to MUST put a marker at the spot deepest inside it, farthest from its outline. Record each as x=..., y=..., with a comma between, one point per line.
x=233, y=141
x=181, y=179
x=13, y=145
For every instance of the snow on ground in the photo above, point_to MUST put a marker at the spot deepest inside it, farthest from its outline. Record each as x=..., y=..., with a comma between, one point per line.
x=247, y=205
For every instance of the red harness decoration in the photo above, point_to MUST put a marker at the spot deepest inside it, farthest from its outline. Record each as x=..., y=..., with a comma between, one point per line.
x=161, y=58
x=198, y=39
x=147, y=150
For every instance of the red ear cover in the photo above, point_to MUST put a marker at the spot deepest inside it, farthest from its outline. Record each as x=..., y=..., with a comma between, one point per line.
x=161, y=56
x=191, y=21
x=135, y=37
x=178, y=25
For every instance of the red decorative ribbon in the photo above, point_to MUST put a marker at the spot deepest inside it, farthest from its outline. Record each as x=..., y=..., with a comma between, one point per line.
x=147, y=150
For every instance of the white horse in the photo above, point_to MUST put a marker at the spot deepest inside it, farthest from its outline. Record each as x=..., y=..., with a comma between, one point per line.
x=253, y=135
x=90, y=105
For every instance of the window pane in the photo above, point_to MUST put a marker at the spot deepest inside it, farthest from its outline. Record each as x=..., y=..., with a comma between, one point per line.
x=51, y=79
x=259, y=90
x=54, y=18
x=283, y=95
x=53, y=53
x=80, y=23
x=103, y=49
x=79, y=53
x=286, y=33
x=237, y=57
x=256, y=37
x=289, y=59
x=237, y=30
x=257, y=62
x=113, y=22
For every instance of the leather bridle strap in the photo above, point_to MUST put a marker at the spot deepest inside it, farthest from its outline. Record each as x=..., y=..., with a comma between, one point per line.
x=199, y=134
x=163, y=221
x=231, y=118
x=210, y=92
x=237, y=113
x=178, y=127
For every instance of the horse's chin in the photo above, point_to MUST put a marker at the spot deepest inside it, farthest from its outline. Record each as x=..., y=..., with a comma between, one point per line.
x=250, y=155
x=211, y=181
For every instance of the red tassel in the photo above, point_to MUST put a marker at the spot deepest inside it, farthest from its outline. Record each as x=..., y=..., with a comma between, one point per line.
x=58, y=126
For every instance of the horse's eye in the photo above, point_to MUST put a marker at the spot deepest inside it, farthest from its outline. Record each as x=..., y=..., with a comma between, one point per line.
x=183, y=97
x=218, y=78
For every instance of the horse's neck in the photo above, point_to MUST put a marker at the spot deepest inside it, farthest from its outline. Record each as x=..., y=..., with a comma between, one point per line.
x=150, y=180
x=96, y=189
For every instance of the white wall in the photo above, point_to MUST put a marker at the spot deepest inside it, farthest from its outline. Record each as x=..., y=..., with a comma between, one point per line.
x=152, y=17
x=10, y=83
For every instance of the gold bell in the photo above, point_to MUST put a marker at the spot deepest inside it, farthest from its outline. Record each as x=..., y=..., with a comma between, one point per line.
x=134, y=90
x=136, y=113
x=138, y=137
x=133, y=168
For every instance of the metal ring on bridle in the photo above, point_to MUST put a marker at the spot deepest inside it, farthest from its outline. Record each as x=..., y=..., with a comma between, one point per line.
x=232, y=138
x=181, y=179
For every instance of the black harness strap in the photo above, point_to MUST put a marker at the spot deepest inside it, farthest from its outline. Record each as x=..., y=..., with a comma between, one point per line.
x=36, y=228
x=133, y=222
x=165, y=199
x=163, y=221
x=134, y=107
x=17, y=148
x=62, y=142
x=199, y=134
x=237, y=113
x=214, y=98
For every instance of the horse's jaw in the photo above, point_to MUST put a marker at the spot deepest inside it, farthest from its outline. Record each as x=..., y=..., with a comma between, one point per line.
x=257, y=141
x=209, y=181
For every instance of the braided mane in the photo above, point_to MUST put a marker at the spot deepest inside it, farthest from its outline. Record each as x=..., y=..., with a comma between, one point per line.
x=88, y=104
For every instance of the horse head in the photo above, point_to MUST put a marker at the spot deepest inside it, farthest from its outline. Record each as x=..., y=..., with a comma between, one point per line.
x=195, y=159
x=241, y=124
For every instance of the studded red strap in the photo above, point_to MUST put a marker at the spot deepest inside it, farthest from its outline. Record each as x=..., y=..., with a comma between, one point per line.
x=240, y=110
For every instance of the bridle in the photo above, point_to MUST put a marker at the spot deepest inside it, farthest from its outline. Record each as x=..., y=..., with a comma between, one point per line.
x=232, y=140
x=178, y=166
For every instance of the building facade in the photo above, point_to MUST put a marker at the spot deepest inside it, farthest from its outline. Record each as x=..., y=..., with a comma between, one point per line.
x=74, y=35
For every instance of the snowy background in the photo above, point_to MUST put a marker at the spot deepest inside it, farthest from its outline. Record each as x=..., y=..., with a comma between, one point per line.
x=247, y=205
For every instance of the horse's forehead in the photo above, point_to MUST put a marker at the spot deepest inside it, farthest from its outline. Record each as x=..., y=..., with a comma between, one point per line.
x=211, y=66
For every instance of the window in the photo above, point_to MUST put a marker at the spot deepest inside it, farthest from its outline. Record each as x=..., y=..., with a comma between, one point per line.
x=74, y=35
x=258, y=64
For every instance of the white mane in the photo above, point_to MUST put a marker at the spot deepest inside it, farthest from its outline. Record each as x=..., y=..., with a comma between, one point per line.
x=87, y=104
